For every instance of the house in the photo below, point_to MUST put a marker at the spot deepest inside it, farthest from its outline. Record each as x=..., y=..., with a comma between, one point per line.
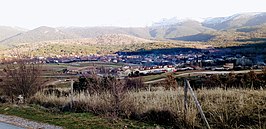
x=229, y=66
x=169, y=68
x=218, y=68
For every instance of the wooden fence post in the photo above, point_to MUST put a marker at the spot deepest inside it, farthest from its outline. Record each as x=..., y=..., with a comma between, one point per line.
x=185, y=100
x=197, y=104
x=72, y=93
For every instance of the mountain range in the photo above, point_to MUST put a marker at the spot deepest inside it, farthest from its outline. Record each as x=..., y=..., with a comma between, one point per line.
x=166, y=29
x=236, y=21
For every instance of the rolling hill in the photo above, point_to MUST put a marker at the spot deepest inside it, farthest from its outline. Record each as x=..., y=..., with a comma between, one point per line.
x=7, y=32
x=108, y=44
x=179, y=29
x=36, y=35
x=92, y=32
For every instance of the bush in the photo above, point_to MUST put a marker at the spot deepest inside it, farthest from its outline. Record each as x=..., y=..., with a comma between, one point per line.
x=80, y=85
x=250, y=80
x=93, y=84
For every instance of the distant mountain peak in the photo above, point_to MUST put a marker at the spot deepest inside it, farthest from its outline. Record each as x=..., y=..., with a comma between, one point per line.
x=215, y=20
x=174, y=21
x=44, y=28
x=166, y=22
x=236, y=20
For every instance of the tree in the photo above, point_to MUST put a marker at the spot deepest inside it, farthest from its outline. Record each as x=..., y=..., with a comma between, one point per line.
x=230, y=80
x=170, y=82
x=134, y=83
x=93, y=84
x=252, y=77
x=213, y=81
x=80, y=85
x=118, y=94
x=264, y=74
x=21, y=78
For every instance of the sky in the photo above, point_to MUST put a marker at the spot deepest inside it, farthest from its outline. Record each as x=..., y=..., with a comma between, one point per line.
x=124, y=13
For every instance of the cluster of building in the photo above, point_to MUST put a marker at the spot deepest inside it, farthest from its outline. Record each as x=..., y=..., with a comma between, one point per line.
x=154, y=63
x=141, y=65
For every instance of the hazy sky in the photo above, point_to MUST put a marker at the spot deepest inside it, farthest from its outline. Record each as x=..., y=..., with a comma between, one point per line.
x=55, y=13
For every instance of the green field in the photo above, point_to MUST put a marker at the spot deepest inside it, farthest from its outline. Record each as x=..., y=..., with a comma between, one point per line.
x=54, y=69
x=161, y=76
x=95, y=63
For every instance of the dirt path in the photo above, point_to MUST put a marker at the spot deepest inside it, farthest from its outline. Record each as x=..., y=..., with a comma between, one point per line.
x=9, y=126
x=24, y=123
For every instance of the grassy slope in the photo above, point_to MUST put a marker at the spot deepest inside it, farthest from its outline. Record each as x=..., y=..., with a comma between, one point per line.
x=69, y=120
x=232, y=108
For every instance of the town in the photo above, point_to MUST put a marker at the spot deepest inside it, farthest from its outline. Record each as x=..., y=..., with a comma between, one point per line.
x=132, y=65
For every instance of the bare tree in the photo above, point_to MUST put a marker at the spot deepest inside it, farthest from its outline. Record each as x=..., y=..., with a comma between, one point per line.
x=213, y=81
x=22, y=77
x=118, y=93
x=230, y=80
x=94, y=84
x=264, y=70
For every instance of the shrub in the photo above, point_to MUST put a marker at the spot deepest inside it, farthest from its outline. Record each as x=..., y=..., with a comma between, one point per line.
x=134, y=83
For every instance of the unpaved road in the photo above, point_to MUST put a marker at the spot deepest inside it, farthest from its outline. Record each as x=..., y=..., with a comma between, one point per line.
x=202, y=73
x=13, y=122
x=9, y=126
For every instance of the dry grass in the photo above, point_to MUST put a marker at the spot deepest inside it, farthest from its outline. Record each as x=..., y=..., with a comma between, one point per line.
x=234, y=108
